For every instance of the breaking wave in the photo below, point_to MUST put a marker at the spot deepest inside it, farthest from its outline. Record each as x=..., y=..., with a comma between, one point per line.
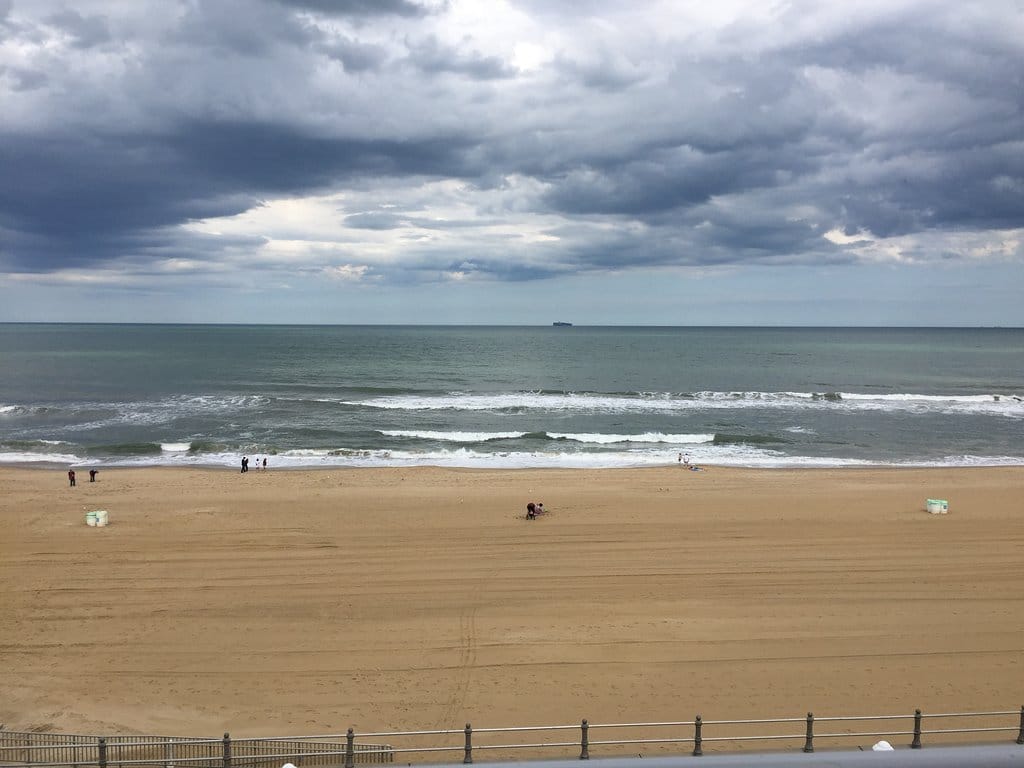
x=1010, y=405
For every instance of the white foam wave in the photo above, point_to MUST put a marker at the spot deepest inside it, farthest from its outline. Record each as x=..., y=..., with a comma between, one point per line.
x=175, y=447
x=28, y=457
x=906, y=398
x=710, y=455
x=592, y=438
x=7, y=409
x=646, y=437
x=452, y=437
x=1005, y=405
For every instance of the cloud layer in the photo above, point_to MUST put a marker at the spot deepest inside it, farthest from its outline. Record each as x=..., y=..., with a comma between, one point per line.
x=402, y=142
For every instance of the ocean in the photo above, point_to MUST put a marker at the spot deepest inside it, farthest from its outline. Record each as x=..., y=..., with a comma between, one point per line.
x=586, y=397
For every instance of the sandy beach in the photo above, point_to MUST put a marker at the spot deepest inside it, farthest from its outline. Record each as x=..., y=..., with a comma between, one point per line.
x=300, y=602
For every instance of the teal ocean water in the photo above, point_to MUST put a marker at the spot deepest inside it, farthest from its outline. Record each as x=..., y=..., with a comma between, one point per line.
x=313, y=396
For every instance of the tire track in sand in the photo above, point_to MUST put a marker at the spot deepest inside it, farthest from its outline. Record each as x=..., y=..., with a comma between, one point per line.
x=464, y=672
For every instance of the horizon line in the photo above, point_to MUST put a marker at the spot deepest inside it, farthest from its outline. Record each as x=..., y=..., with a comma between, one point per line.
x=502, y=325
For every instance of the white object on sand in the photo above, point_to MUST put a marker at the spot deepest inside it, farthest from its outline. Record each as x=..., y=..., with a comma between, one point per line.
x=937, y=506
x=883, y=746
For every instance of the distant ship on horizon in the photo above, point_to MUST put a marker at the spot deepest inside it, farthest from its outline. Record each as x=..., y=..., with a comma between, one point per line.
x=560, y=324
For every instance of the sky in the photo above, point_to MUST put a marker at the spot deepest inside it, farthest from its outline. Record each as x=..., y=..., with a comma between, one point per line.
x=512, y=162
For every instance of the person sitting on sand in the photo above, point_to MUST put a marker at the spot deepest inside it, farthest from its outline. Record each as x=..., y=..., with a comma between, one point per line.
x=540, y=508
x=531, y=511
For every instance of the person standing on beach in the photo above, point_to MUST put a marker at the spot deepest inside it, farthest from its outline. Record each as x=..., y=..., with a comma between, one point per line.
x=71, y=478
x=264, y=462
x=92, y=475
x=245, y=463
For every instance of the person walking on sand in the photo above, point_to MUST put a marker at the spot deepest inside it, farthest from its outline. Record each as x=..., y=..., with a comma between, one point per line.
x=71, y=478
x=264, y=462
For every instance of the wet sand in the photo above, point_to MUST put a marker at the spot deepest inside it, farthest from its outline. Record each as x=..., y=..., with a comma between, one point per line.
x=287, y=602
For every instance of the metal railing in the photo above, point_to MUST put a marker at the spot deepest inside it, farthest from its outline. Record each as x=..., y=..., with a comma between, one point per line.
x=49, y=750
x=45, y=750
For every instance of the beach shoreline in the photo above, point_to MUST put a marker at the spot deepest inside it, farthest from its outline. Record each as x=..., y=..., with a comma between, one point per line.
x=306, y=601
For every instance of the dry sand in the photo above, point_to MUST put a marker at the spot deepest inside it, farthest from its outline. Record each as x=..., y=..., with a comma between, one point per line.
x=288, y=602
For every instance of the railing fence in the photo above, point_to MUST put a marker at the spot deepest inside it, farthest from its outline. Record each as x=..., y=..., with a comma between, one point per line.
x=47, y=750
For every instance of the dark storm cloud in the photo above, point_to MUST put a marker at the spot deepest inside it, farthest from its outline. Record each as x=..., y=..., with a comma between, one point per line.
x=729, y=145
x=666, y=180
x=75, y=198
x=775, y=129
x=275, y=158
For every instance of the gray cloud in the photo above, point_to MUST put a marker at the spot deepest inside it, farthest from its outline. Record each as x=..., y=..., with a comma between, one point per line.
x=379, y=220
x=359, y=8
x=86, y=31
x=353, y=55
x=24, y=79
x=78, y=198
x=433, y=58
x=251, y=29
x=603, y=72
x=617, y=149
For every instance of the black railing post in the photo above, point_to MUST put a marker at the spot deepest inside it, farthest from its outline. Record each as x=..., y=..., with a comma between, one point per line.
x=103, y=752
x=468, y=757
x=1020, y=736
x=916, y=743
x=809, y=741
x=227, y=750
x=350, y=748
x=697, y=723
x=585, y=739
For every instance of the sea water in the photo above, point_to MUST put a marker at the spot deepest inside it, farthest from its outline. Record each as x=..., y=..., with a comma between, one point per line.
x=314, y=396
